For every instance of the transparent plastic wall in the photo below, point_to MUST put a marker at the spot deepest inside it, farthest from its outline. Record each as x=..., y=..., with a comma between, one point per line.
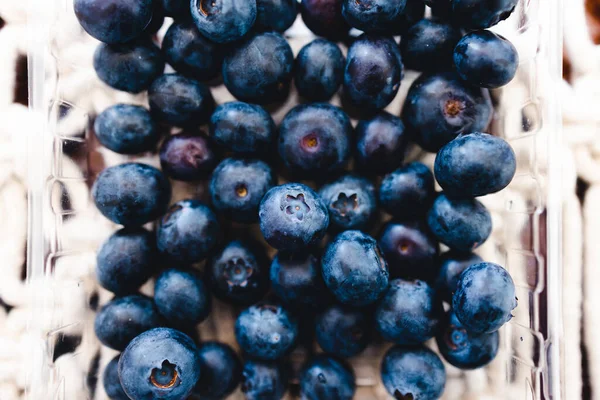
x=65, y=228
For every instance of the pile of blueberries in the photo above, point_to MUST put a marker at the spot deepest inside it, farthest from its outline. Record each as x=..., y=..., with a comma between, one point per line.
x=330, y=280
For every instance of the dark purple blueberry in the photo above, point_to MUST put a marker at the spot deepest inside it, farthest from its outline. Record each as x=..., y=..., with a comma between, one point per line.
x=324, y=18
x=158, y=19
x=126, y=129
x=408, y=192
x=129, y=67
x=439, y=107
x=111, y=382
x=373, y=16
x=187, y=157
x=351, y=202
x=428, y=45
x=220, y=371
x=451, y=265
x=224, y=21
x=275, y=15
x=325, y=378
x=380, y=143
x=481, y=14
x=319, y=70
x=343, y=331
x=264, y=380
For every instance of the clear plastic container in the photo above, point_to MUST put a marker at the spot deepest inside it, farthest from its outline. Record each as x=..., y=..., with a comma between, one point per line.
x=65, y=229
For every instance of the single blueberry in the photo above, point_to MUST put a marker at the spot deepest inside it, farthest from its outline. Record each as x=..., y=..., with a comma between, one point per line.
x=439, y=107
x=224, y=21
x=484, y=297
x=131, y=194
x=410, y=250
x=126, y=260
x=461, y=224
x=373, y=71
x=413, y=373
x=319, y=70
x=315, y=139
x=160, y=364
x=243, y=128
x=296, y=279
x=343, y=331
x=177, y=9
x=181, y=298
x=354, y=269
x=451, y=265
x=111, y=382
x=238, y=185
x=266, y=331
x=259, y=69
x=408, y=192
x=380, y=143
x=429, y=44
x=351, y=202
x=180, y=101
x=324, y=18
x=221, y=371
x=475, y=164
x=238, y=273
x=190, y=53
x=187, y=156
x=373, y=16
x=263, y=380
x=464, y=349
x=123, y=318
x=129, y=67
x=113, y=21
x=126, y=129
x=275, y=15
x=481, y=14
x=188, y=232
x=485, y=59
x=292, y=216
x=325, y=378
x=408, y=313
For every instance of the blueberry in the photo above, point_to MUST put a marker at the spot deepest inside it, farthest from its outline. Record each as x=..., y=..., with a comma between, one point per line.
x=110, y=380
x=190, y=53
x=354, y=269
x=238, y=273
x=126, y=129
x=439, y=107
x=373, y=71
x=413, y=373
x=410, y=250
x=113, y=21
x=485, y=59
x=351, y=202
x=259, y=69
x=292, y=216
x=181, y=298
x=123, y=318
x=275, y=15
x=484, y=298
x=157, y=21
x=373, y=15
x=319, y=70
x=187, y=156
x=461, y=224
x=381, y=143
x=325, y=378
x=129, y=67
x=464, y=349
x=343, y=331
x=131, y=194
x=266, y=331
x=177, y=9
x=481, y=14
x=324, y=18
x=188, y=232
x=474, y=165
x=429, y=44
x=243, y=128
x=224, y=21
x=126, y=260
x=414, y=11
x=237, y=186
x=263, y=380
x=160, y=364
x=452, y=264
x=180, y=101
x=296, y=279
x=221, y=371
x=408, y=192
x=408, y=313
x=315, y=139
